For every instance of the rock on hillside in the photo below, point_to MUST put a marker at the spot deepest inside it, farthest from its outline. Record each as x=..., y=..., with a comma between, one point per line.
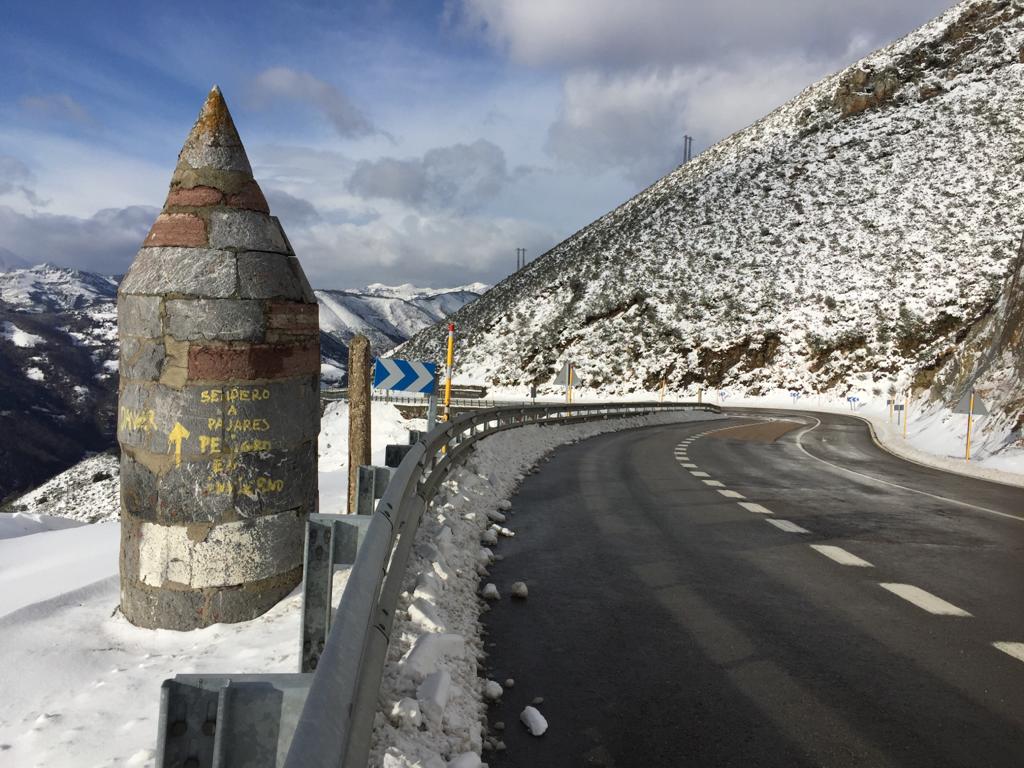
x=848, y=242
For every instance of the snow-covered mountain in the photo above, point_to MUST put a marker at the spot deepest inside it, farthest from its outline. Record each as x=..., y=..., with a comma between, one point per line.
x=848, y=242
x=58, y=371
x=386, y=315
x=59, y=353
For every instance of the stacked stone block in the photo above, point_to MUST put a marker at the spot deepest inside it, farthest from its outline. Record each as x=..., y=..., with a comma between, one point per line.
x=219, y=397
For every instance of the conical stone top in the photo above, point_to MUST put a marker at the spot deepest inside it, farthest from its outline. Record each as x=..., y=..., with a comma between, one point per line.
x=214, y=142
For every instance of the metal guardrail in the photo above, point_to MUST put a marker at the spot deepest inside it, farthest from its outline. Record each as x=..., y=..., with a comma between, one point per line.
x=334, y=395
x=336, y=723
x=323, y=714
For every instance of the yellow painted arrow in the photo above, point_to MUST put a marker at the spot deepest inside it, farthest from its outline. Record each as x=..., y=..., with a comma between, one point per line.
x=178, y=434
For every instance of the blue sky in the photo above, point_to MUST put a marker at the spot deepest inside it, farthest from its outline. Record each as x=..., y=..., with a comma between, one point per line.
x=397, y=141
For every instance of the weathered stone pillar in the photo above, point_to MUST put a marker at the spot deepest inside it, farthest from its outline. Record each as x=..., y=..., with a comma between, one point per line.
x=358, y=412
x=219, y=397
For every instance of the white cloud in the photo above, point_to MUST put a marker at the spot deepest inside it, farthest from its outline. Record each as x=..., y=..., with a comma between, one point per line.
x=635, y=121
x=461, y=177
x=105, y=242
x=616, y=34
x=289, y=85
x=57, y=106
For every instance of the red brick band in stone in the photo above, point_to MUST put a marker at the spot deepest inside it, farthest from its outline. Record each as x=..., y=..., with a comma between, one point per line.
x=184, y=230
x=251, y=198
x=197, y=197
x=259, y=361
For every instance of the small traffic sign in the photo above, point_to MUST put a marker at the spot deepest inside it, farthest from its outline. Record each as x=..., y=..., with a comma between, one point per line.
x=899, y=407
x=964, y=406
x=562, y=379
x=404, y=375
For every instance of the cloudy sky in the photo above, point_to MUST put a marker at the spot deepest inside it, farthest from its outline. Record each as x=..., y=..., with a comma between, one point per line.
x=399, y=141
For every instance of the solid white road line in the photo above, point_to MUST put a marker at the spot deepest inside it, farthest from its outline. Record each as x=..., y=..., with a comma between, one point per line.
x=924, y=600
x=752, y=507
x=841, y=556
x=731, y=494
x=800, y=445
x=1013, y=649
x=695, y=473
x=714, y=483
x=786, y=525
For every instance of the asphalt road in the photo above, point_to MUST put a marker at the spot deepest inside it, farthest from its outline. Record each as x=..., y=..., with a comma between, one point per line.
x=670, y=625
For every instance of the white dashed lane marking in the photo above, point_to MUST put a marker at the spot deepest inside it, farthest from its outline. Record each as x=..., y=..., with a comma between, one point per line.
x=752, y=507
x=695, y=473
x=786, y=525
x=1013, y=649
x=688, y=466
x=924, y=600
x=731, y=494
x=714, y=483
x=841, y=556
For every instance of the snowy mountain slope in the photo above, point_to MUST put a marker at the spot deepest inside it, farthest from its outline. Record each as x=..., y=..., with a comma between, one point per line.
x=386, y=315
x=58, y=371
x=846, y=242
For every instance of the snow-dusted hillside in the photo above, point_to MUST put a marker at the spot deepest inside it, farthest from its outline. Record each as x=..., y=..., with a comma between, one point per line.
x=386, y=315
x=58, y=370
x=846, y=242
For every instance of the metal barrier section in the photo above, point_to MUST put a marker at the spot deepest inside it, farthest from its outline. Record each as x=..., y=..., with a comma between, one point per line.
x=323, y=716
x=229, y=721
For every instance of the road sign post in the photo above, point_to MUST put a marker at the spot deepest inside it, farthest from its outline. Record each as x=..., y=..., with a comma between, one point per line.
x=972, y=406
x=565, y=378
x=449, y=361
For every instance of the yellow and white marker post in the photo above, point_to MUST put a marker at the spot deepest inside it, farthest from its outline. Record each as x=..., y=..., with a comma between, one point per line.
x=662, y=391
x=971, y=406
x=970, y=423
x=448, y=373
x=906, y=415
x=568, y=389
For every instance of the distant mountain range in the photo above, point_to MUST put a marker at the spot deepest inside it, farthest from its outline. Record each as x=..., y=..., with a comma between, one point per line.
x=59, y=357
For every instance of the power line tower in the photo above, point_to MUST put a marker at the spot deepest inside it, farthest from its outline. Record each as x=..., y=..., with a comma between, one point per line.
x=520, y=258
x=687, y=149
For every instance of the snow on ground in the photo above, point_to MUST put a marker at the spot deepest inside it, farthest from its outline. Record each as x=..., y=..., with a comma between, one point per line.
x=436, y=648
x=387, y=427
x=18, y=337
x=24, y=523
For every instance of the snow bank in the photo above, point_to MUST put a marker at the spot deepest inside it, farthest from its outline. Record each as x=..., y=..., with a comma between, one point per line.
x=426, y=665
x=387, y=426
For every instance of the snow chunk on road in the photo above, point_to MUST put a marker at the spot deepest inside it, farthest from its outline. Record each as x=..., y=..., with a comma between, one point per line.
x=466, y=760
x=406, y=711
x=492, y=690
x=519, y=590
x=534, y=721
x=490, y=592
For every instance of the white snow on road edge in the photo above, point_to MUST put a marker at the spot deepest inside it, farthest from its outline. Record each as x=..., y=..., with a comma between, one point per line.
x=436, y=646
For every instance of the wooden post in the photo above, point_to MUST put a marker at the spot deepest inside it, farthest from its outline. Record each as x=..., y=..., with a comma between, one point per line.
x=358, y=412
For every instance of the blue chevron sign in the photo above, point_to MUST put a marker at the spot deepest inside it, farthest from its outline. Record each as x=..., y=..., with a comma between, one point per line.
x=404, y=375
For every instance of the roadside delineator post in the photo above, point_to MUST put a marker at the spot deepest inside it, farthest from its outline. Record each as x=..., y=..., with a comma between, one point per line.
x=449, y=360
x=358, y=413
x=218, y=401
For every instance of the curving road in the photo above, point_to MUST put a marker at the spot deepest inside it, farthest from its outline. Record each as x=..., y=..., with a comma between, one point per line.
x=746, y=592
